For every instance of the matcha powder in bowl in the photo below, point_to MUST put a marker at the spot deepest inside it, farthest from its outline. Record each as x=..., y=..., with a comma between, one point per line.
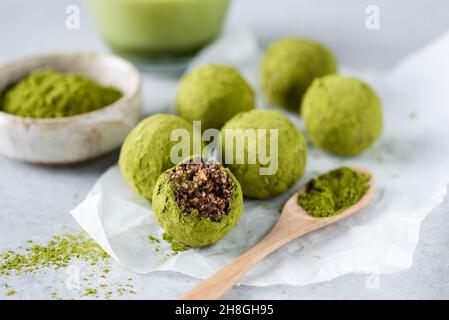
x=50, y=94
x=67, y=107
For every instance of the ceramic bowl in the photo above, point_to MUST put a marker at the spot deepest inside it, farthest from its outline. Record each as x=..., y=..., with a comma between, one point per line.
x=76, y=138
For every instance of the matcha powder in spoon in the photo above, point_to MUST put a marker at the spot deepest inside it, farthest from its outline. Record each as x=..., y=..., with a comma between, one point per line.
x=50, y=94
x=333, y=192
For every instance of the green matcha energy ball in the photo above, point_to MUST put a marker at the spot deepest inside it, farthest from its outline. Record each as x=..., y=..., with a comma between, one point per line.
x=197, y=202
x=145, y=154
x=289, y=66
x=213, y=94
x=342, y=115
x=288, y=151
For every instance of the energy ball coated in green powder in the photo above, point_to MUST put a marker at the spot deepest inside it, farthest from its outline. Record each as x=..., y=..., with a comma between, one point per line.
x=289, y=66
x=342, y=115
x=333, y=192
x=50, y=94
x=145, y=154
x=291, y=152
x=213, y=94
x=197, y=202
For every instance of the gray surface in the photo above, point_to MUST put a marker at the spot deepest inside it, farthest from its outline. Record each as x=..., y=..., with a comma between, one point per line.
x=35, y=200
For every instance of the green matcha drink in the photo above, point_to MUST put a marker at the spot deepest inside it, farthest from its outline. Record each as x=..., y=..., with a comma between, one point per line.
x=158, y=28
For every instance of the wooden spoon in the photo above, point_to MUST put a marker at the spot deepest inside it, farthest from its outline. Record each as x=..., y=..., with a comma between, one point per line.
x=293, y=222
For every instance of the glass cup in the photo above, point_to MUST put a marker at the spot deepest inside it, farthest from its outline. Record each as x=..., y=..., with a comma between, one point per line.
x=159, y=32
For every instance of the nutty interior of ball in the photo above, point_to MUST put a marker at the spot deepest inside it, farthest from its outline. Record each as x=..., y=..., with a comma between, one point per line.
x=203, y=186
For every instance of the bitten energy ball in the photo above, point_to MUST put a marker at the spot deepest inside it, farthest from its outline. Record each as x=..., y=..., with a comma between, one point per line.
x=145, y=154
x=197, y=202
x=213, y=94
x=290, y=153
x=342, y=115
x=289, y=67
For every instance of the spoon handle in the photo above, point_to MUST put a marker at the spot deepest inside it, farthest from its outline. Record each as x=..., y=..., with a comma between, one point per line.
x=222, y=281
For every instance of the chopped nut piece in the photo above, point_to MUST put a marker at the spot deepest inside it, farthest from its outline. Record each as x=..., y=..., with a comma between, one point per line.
x=202, y=186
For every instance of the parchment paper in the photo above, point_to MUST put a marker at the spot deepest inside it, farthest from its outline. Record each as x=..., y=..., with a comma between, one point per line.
x=409, y=162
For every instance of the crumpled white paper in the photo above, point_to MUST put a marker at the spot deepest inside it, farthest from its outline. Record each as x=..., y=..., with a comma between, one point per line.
x=409, y=162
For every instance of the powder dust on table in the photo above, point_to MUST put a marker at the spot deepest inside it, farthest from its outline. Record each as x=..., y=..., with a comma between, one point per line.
x=60, y=252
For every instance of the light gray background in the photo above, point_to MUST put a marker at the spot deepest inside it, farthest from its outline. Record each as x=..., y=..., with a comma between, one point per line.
x=35, y=200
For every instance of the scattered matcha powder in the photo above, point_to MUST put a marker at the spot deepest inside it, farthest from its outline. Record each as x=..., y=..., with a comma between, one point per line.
x=175, y=245
x=120, y=291
x=90, y=292
x=108, y=295
x=333, y=192
x=153, y=239
x=58, y=253
x=55, y=295
x=10, y=292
